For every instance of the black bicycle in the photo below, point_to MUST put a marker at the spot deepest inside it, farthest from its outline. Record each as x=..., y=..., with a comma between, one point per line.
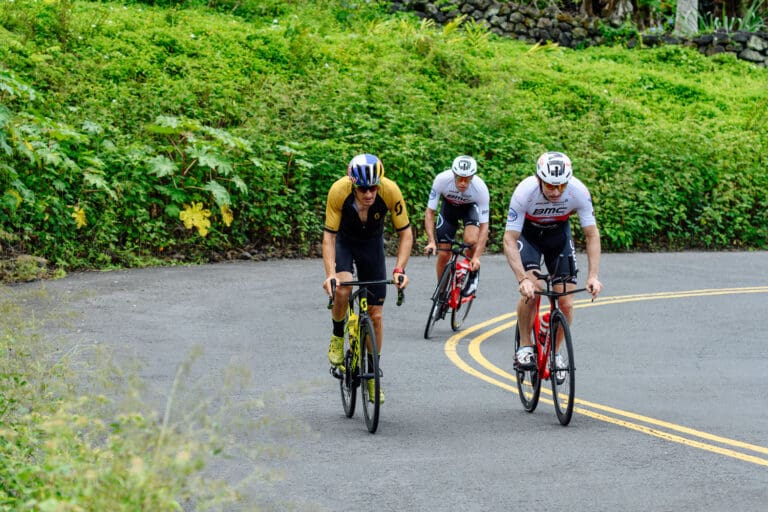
x=544, y=334
x=361, y=353
x=447, y=295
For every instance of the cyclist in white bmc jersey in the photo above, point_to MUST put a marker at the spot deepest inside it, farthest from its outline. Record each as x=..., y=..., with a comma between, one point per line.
x=466, y=199
x=537, y=224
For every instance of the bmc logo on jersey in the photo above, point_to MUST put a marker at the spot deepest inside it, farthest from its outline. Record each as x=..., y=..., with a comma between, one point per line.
x=538, y=212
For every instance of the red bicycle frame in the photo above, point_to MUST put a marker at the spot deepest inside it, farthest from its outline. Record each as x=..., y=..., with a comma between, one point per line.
x=542, y=350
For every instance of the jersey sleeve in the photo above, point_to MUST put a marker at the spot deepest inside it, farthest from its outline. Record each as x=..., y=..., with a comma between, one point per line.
x=484, y=202
x=518, y=204
x=585, y=209
x=335, y=202
x=393, y=197
x=434, y=196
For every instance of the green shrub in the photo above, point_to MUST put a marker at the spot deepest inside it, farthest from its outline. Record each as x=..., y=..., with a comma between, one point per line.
x=184, y=133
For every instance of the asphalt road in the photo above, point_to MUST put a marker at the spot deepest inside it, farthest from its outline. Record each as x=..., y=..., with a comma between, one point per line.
x=672, y=372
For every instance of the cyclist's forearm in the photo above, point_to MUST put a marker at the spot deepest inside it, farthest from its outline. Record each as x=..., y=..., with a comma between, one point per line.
x=513, y=255
x=404, y=248
x=329, y=253
x=429, y=224
x=592, y=236
x=482, y=240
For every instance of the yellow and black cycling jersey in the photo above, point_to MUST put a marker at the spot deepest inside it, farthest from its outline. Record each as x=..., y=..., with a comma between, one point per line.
x=341, y=215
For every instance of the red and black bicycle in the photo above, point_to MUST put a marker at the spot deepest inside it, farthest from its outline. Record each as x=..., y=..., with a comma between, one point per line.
x=448, y=292
x=552, y=362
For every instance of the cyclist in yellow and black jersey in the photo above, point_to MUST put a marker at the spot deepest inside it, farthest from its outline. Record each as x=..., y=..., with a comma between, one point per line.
x=342, y=213
x=353, y=238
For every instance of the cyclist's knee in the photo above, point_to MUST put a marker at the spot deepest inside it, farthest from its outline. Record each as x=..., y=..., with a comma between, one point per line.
x=376, y=313
x=566, y=305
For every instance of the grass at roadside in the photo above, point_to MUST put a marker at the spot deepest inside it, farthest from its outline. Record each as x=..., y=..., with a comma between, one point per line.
x=78, y=432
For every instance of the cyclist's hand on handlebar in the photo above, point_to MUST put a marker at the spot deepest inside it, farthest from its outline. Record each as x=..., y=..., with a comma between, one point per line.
x=594, y=286
x=527, y=289
x=401, y=280
x=327, y=284
x=474, y=264
x=430, y=249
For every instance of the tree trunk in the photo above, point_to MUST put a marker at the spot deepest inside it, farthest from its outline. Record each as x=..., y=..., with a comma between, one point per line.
x=687, y=17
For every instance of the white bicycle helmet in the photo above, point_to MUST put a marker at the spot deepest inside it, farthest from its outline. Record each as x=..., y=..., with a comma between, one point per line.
x=464, y=166
x=554, y=168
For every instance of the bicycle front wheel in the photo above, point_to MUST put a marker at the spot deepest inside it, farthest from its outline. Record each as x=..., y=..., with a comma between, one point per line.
x=459, y=314
x=528, y=381
x=369, y=372
x=350, y=376
x=563, y=373
x=439, y=302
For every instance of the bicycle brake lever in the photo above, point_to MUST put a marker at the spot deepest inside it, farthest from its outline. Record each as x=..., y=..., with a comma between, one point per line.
x=400, y=293
x=333, y=293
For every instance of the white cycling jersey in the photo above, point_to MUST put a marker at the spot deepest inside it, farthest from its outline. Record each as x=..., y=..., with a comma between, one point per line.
x=528, y=204
x=477, y=193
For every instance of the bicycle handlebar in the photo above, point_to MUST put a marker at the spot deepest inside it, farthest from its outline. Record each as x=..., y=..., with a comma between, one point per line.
x=551, y=293
x=551, y=281
x=400, y=291
x=456, y=247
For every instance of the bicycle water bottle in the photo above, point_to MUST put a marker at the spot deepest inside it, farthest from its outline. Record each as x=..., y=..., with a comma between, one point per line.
x=544, y=328
x=462, y=268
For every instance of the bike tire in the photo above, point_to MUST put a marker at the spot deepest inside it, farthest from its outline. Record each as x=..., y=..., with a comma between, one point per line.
x=459, y=314
x=351, y=376
x=369, y=370
x=439, y=300
x=564, y=388
x=528, y=381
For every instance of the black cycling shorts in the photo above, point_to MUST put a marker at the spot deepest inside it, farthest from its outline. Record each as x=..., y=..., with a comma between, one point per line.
x=555, y=244
x=369, y=260
x=449, y=217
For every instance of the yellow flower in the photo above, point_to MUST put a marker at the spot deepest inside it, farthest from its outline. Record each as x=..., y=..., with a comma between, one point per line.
x=226, y=214
x=15, y=195
x=195, y=216
x=79, y=216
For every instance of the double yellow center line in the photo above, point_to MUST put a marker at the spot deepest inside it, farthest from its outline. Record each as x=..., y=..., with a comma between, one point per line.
x=658, y=428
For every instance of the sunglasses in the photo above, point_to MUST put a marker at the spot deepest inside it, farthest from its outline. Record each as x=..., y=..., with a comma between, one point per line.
x=560, y=187
x=372, y=188
x=462, y=179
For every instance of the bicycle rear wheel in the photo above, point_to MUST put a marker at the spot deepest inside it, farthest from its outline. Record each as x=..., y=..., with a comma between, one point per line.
x=528, y=381
x=563, y=376
x=350, y=378
x=439, y=301
x=369, y=371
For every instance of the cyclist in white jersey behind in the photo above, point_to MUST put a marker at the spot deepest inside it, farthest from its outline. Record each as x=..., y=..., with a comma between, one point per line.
x=466, y=199
x=537, y=224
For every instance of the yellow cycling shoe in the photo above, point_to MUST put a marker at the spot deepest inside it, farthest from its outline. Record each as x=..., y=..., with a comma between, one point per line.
x=336, y=350
x=371, y=387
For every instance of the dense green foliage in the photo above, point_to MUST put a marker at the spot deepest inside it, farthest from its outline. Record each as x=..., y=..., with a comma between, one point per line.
x=133, y=134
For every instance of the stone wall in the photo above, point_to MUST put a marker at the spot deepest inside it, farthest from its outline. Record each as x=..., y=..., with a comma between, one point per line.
x=529, y=24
